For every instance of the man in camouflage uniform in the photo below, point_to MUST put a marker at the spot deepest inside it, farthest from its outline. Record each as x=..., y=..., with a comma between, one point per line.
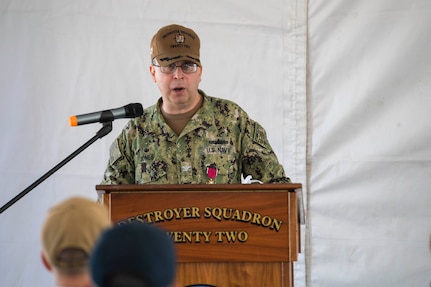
x=188, y=136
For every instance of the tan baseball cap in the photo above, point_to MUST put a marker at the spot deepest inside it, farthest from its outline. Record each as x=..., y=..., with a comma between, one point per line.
x=174, y=43
x=74, y=223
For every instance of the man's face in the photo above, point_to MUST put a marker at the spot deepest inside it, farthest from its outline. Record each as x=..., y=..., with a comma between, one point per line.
x=179, y=88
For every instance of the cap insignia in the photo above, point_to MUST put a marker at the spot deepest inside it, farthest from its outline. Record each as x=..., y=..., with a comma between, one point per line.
x=179, y=38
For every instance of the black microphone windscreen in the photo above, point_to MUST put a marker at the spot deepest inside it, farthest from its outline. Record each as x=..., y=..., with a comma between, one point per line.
x=134, y=110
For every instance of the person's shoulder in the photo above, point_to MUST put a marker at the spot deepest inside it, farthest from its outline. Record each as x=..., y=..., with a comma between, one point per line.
x=222, y=103
x=150, y=109
x=148, y=112
x=145, y=121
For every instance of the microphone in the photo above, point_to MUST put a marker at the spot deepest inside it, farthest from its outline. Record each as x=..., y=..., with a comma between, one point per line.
x=128, y=111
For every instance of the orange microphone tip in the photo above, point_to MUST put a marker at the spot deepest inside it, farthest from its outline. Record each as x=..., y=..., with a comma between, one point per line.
x=73, y=121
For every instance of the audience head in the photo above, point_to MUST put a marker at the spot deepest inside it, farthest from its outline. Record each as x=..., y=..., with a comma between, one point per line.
x=133, y=255
x=69, y=233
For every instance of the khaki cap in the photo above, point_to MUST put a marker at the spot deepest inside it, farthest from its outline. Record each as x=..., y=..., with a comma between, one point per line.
x=174, y=43
x=74, y=223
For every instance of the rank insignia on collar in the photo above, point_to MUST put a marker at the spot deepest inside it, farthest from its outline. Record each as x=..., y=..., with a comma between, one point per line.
x=211, y=172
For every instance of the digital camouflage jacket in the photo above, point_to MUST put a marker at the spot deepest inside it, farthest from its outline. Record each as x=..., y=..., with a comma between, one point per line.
x=219, y=140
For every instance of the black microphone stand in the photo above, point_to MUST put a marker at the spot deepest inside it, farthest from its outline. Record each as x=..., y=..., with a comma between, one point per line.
x=106, y=129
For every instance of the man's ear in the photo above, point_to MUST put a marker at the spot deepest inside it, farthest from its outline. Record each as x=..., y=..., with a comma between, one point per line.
x=45, y=262
x=153, y=72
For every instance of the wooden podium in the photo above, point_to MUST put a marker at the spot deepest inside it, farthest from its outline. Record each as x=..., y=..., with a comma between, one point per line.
x=226, y=235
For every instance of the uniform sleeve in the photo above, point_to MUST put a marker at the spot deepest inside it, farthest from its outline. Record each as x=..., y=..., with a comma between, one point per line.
x=258, y=157
x=120, y=168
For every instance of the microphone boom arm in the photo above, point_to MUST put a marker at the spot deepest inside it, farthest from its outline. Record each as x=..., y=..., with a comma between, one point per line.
x=106, y=129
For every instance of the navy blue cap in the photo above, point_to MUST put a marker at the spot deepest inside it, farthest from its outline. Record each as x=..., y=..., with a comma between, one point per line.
x=134, y=252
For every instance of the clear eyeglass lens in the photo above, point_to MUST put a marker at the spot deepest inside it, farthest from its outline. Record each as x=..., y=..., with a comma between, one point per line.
x=187, y=68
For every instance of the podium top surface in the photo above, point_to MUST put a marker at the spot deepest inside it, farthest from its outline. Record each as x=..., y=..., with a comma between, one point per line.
x=199, y=187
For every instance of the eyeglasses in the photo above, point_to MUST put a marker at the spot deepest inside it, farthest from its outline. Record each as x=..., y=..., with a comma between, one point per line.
x=187, y=68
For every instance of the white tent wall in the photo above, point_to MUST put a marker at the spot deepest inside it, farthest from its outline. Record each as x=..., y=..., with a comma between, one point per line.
x=369, y=153
x=364, y=119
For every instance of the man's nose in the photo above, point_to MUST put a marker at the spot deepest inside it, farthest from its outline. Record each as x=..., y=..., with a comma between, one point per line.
x=178, y=73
